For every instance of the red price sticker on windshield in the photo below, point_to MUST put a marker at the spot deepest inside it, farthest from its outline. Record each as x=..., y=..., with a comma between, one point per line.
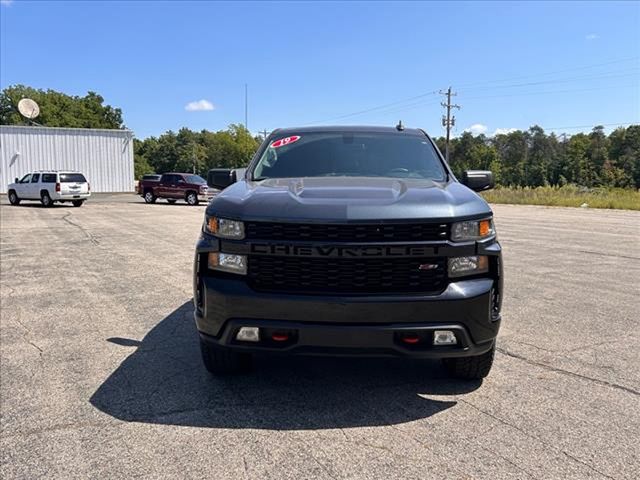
x=285, y=141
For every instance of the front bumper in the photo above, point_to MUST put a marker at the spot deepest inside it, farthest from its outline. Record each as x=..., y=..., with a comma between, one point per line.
x=349, y=325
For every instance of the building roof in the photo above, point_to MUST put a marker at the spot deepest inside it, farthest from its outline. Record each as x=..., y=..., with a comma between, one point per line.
x=28, y=128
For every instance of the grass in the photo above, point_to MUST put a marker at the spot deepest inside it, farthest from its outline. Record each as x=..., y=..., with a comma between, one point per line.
x=567, y=196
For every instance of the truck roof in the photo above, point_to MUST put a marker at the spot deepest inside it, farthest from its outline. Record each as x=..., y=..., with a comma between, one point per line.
x=348, y=128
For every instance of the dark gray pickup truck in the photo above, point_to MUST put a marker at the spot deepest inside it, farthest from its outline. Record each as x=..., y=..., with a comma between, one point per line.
x=349, y=241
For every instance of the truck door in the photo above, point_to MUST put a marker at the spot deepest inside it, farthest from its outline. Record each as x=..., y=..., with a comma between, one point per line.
x=179, y=187
x=164, y=185
x=33, y=188
x=172, y=186
x=22, y=187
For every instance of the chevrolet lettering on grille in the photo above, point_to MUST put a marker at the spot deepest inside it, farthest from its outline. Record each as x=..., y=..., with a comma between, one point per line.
x=343, y=251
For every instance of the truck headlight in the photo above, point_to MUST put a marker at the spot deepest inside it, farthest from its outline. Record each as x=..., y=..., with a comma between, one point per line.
x=472, y=230
x=474, y=265
x=224, y=228
x=228, y=262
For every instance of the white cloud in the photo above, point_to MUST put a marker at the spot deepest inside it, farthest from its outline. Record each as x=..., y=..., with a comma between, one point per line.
x=6, y=2
x=503, y=131
x=592, y=36
x=199, y=106
x=477, y=129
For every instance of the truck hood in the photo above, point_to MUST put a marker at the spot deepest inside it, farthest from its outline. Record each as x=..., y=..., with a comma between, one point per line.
x=336, y=199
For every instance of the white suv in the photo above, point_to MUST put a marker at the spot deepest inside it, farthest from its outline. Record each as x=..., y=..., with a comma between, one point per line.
x=50, y=186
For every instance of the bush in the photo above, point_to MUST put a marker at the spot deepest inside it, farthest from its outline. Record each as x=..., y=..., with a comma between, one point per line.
x=567, y=196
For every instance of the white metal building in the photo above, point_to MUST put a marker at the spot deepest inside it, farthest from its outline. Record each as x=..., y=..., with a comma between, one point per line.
x=104, y=156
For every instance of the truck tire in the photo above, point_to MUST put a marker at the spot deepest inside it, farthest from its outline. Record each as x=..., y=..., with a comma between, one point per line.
x=45, y=199
x=221, y=360
x=470, y=368
x=191, y=198
x=77, y=203
x=13, y=198
x=149, y=197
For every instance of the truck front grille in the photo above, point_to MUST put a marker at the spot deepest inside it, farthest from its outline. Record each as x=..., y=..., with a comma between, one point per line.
x=352, y=232
x=347, y=276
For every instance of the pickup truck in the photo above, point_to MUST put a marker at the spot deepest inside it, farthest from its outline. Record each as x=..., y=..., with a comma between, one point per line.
x=349, y=241
x=173, y=187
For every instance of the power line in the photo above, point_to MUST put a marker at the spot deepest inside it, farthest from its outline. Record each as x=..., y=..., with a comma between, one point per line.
x=606, y=75
x=547, y=92
x=379, y=107
x=424, y=103
x=584, y=67
x=398, y=106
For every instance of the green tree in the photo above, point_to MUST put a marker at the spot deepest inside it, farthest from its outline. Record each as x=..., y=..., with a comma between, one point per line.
x=539, y=158
x=582, y=171
x=59, y=110
x=533, y=158
x=141, y=165
x=188, y=150
x=512, y=149
x=624, y=153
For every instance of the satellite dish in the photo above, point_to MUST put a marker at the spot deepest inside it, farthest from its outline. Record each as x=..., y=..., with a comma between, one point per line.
x=28, y=108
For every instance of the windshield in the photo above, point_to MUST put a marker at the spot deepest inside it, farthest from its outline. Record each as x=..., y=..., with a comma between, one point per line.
x=72, y=178
x=350, y=154
x=195, y=179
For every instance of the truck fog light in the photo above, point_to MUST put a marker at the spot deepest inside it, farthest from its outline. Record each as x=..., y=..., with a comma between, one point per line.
x=461, y=266
x=248, y=334
x=444, y=337
x=228, y=262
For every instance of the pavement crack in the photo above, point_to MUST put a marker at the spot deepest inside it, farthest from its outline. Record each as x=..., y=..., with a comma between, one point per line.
x=561, y=371
x=36, y=347
x=55, y=428
x=246, y=469
x=26, y=334
x=609, y=255
x=587, y=465
x=513, y=464
x=519, y=342
x=527, y=434
x=590, y=346
x=388, y=450
x=89, y=236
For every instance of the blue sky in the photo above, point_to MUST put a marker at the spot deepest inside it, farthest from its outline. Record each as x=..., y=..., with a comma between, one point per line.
x=513, y=64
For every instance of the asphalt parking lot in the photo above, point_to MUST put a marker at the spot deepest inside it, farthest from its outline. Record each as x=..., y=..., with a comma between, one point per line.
x=101, y=374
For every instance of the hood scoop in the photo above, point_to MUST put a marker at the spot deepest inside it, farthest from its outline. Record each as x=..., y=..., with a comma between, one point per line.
x=347, y=189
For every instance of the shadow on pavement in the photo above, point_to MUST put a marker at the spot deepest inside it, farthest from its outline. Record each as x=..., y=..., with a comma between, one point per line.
x=164, y=382
x=37, y=204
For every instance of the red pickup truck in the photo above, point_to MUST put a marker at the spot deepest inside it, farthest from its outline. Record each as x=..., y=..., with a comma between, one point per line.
x=175, y=186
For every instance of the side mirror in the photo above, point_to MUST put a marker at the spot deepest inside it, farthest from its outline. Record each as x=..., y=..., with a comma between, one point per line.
x=478, y=180
x=16, y=180
x=221, y=178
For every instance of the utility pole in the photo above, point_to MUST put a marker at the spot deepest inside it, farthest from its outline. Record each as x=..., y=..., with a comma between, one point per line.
x=448, y=121
x=246, y=106
x=264, y=133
